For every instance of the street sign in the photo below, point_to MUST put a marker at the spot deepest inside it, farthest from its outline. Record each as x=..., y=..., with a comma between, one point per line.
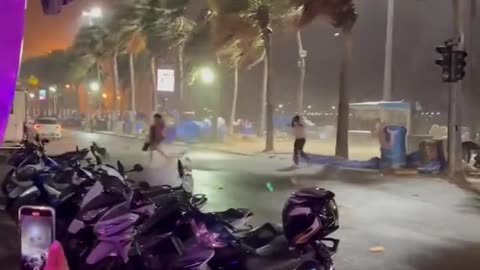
x=42, y=94
x=33, y=81
x=166, y=80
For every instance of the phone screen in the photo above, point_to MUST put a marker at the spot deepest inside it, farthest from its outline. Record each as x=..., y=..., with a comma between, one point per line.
x=37, y=229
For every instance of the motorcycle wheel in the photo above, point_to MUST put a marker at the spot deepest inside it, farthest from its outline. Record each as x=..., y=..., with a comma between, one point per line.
x=7, y=183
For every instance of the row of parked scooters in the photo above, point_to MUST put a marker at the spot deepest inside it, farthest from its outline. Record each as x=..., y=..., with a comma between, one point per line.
x=107, y=221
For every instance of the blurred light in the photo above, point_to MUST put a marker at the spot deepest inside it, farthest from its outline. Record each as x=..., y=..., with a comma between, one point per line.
x=333, y=107
x=96, y=12
x=52, y=89
x=438, y=113
x=31, y=95
x=336, y=34
x=94, y=86
x=207, y=75
x=119, y=97
x=309, y=107
x=104, y=95
x=67, y=86
x=280, y=106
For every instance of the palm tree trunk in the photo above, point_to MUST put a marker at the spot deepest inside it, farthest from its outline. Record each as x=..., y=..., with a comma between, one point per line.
x=263, y=105
x=116, y=84
x=341, y=147
x=132, y=82
x=181, y=101
x=302, y=64
x=234, y=101
x=153, y=70
x=269, y=110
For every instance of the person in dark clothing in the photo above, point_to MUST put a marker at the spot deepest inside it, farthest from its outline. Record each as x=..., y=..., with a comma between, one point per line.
x=157, y=136
x=298, y=129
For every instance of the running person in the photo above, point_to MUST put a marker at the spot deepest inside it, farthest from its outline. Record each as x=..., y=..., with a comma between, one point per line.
x=157, y=136
x=298, y=129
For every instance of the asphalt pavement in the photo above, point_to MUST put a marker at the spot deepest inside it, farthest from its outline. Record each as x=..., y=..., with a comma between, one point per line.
x=421, y=224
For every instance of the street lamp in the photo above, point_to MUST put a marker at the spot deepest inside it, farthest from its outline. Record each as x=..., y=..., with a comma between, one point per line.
x=92, y=14
x=207, y=75
x=94, y=86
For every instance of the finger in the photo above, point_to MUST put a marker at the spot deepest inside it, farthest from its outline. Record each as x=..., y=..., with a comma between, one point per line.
x=56, y=258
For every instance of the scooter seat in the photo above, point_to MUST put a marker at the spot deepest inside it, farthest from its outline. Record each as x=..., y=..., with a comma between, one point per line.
x=233, y=214
x=261, y=238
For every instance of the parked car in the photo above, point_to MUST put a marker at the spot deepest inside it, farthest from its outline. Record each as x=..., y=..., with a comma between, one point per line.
x=48, y=127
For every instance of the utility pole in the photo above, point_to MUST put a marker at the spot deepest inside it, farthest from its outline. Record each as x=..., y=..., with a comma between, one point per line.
x=387, y=77
x=453, y=71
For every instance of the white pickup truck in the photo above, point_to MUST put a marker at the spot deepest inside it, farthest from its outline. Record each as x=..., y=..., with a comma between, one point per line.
x=15, y=127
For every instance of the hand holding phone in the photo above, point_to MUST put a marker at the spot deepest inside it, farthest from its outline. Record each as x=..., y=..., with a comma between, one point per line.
x=37, y=233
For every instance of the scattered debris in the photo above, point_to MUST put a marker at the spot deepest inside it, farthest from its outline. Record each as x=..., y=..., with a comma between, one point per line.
x=377, y=249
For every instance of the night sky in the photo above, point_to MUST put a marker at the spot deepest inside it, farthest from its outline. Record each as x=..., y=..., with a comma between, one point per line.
x=420, y=26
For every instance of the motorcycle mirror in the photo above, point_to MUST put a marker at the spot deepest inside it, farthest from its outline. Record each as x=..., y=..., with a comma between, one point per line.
x=137, y=168
x=120, y=168
x=181, y=169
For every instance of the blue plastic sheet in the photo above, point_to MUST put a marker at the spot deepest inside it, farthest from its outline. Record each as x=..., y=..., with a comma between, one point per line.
x=372, y=164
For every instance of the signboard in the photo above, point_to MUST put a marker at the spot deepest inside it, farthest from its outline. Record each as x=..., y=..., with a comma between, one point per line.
x=166, y=80
x=42, y=94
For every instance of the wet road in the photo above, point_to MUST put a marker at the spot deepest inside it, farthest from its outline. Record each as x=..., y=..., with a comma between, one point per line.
x=422, y=224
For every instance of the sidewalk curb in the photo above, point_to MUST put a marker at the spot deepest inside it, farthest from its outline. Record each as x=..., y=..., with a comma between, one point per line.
x=192, y=146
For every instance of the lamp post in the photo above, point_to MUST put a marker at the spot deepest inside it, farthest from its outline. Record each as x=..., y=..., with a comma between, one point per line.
x=387, y=79
x=208, y=77
x=53, y=91
x=94, y=87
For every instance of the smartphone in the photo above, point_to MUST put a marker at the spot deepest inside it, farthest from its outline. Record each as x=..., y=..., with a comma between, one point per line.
x=37, y=233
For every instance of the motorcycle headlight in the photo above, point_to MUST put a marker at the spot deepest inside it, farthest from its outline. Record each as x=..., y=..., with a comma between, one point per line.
x=92, y=214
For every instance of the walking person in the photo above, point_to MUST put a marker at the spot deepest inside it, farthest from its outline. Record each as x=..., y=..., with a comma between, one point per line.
x=298, y=128
x=156, y=137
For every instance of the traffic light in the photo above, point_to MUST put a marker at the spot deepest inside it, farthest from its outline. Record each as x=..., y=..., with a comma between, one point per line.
x=445, y=62
x=459, y=58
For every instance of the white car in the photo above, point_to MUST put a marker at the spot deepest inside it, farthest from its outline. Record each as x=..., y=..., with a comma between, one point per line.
x=48, y=127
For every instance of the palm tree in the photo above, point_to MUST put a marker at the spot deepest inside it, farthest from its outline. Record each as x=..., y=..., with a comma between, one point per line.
x=240, y=55
x=341, y=14
x=160, y=27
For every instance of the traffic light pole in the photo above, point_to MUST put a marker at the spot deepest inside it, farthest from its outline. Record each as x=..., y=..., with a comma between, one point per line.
x=455, y=166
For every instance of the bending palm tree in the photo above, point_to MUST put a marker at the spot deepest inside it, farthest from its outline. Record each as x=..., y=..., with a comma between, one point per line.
x=342, y=15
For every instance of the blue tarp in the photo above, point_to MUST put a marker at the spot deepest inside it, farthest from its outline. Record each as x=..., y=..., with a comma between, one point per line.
x=195, y=131
x=372, y=164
